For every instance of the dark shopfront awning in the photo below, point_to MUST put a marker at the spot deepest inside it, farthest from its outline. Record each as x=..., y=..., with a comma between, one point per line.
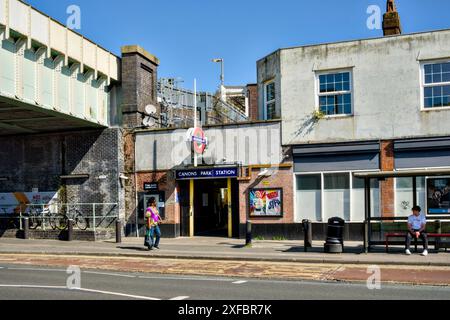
x=402, y=173
x=367, y=176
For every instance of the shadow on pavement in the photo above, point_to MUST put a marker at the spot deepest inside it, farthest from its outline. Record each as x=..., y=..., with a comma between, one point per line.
x=133, y=248
x=316, y=249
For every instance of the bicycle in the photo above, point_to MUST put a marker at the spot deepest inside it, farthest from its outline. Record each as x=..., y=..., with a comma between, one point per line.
x=37, y=219
x=75, y=214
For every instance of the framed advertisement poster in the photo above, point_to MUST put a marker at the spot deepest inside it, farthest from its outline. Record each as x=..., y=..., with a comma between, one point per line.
x=438, y=196
x=266, y=202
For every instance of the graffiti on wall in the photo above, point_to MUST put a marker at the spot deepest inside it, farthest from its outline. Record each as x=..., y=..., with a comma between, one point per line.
x=266, y=202
x=13, y=202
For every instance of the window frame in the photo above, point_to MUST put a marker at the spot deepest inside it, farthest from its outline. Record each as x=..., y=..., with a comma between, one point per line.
x=423, y=85
x=267, y=102
x=319, y=94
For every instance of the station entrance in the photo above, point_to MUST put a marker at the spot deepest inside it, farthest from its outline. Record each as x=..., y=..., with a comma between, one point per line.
x=207, y=212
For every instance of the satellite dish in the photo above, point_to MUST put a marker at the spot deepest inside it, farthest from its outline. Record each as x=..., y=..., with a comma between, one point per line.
x=148, y=122
x=150, y=109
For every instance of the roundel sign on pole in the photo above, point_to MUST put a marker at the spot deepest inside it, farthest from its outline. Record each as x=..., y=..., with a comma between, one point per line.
x=199, y=140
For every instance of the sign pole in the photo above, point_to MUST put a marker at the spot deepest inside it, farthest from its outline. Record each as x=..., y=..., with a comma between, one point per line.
x=195, y=119
x=191, y=208
x=230, y=211
x=191, y=182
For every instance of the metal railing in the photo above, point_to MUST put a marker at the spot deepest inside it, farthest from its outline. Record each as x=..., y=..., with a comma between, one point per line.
x=90, y=216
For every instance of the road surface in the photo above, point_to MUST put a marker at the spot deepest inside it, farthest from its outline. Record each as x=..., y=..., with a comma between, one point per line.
x=18, y=282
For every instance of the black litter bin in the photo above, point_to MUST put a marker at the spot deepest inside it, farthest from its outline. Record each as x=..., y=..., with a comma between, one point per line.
x=335, y=236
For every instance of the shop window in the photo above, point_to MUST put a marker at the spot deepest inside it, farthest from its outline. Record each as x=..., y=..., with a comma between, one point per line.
x=309, y=193
x=404, y=195
x=325, y=195
x=436, y=85
x=358, y=199
x=335, y=93
x=337, y=196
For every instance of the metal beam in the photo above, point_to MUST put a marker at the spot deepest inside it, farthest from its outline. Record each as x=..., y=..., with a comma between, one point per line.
x=29, y=119
x=24, y=106
x=15, y=128
x=10, y=109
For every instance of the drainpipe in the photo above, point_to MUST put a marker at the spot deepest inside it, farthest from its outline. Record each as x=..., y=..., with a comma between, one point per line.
x=135, y=187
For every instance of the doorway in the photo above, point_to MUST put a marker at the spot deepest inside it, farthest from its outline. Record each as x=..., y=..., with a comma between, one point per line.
x=210, y=207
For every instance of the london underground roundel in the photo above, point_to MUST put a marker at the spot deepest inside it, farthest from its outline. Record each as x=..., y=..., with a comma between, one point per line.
x=199, y=140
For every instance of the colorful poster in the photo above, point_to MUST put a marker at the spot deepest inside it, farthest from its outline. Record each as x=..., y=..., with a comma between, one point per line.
x=266, y=202
x=10, y=202
x=438, y=195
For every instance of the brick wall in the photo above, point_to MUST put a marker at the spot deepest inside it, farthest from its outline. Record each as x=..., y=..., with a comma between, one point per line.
x=167, y=183
x=38, y=161
x=253, y=102
x=283, y=178
x=387, y=186
x=139, y=83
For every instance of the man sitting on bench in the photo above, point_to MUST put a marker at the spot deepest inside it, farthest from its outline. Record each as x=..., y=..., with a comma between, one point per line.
x=417, y=223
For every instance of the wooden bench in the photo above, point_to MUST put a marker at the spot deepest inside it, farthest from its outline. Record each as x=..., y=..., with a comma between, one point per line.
x=403, y=234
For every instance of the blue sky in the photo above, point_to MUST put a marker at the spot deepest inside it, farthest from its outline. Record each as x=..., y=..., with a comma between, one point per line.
x=187, y=34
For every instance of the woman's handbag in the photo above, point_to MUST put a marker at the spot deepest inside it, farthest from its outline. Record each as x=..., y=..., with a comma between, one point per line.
x=147, y=238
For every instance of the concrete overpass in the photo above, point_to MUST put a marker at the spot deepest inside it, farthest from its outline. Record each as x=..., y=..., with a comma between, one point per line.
x=52, y=78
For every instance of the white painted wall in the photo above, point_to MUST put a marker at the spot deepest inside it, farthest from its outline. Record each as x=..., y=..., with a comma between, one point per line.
x=387, y=88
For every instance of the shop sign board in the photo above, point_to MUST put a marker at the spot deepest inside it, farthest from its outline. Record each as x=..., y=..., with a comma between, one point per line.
x=211, y=173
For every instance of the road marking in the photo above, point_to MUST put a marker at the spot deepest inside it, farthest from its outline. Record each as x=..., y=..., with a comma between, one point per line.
x=110, y=274
x=117, y=294
x=30, y=286
x=185, y=278
x=78, y=289
x=240, y=282
x=180, y=298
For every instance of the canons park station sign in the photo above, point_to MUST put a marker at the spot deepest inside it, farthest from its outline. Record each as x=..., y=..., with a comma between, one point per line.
x=207, y=173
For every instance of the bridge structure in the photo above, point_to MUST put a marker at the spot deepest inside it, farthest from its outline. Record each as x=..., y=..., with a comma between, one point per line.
x=52, y=79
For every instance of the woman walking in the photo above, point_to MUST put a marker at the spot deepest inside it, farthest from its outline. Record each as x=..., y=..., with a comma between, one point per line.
x=153, y=221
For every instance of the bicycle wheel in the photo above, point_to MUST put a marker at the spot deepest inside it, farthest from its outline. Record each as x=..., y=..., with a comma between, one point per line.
x=53, y=222
x=81, y=222
x=33, y=221
x=60, y=221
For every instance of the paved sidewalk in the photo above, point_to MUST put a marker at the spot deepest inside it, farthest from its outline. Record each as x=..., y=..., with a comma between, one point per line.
x=223, y=249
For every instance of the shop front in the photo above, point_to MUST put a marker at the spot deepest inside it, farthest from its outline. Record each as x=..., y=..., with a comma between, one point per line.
x=243, y=174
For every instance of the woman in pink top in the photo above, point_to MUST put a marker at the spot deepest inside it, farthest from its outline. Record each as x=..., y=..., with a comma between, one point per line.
x=153, y=222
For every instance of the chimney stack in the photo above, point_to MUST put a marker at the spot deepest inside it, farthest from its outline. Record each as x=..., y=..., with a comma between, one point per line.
x=391, y=20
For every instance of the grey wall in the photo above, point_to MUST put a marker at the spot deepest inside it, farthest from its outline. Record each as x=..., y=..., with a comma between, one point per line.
x=387, y=88
x=249, y=143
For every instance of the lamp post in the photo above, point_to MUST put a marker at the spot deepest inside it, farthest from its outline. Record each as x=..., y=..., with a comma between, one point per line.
x=222, y=77
x=222, y=74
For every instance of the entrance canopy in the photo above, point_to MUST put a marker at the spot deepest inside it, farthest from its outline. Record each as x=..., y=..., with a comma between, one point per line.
x=382, y=175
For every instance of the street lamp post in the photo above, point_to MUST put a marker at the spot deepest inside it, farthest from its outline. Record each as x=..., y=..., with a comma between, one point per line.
x=222, y=73
x=222, y=77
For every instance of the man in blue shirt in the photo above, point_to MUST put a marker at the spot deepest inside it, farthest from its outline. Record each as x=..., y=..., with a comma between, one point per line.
x=417, y=223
